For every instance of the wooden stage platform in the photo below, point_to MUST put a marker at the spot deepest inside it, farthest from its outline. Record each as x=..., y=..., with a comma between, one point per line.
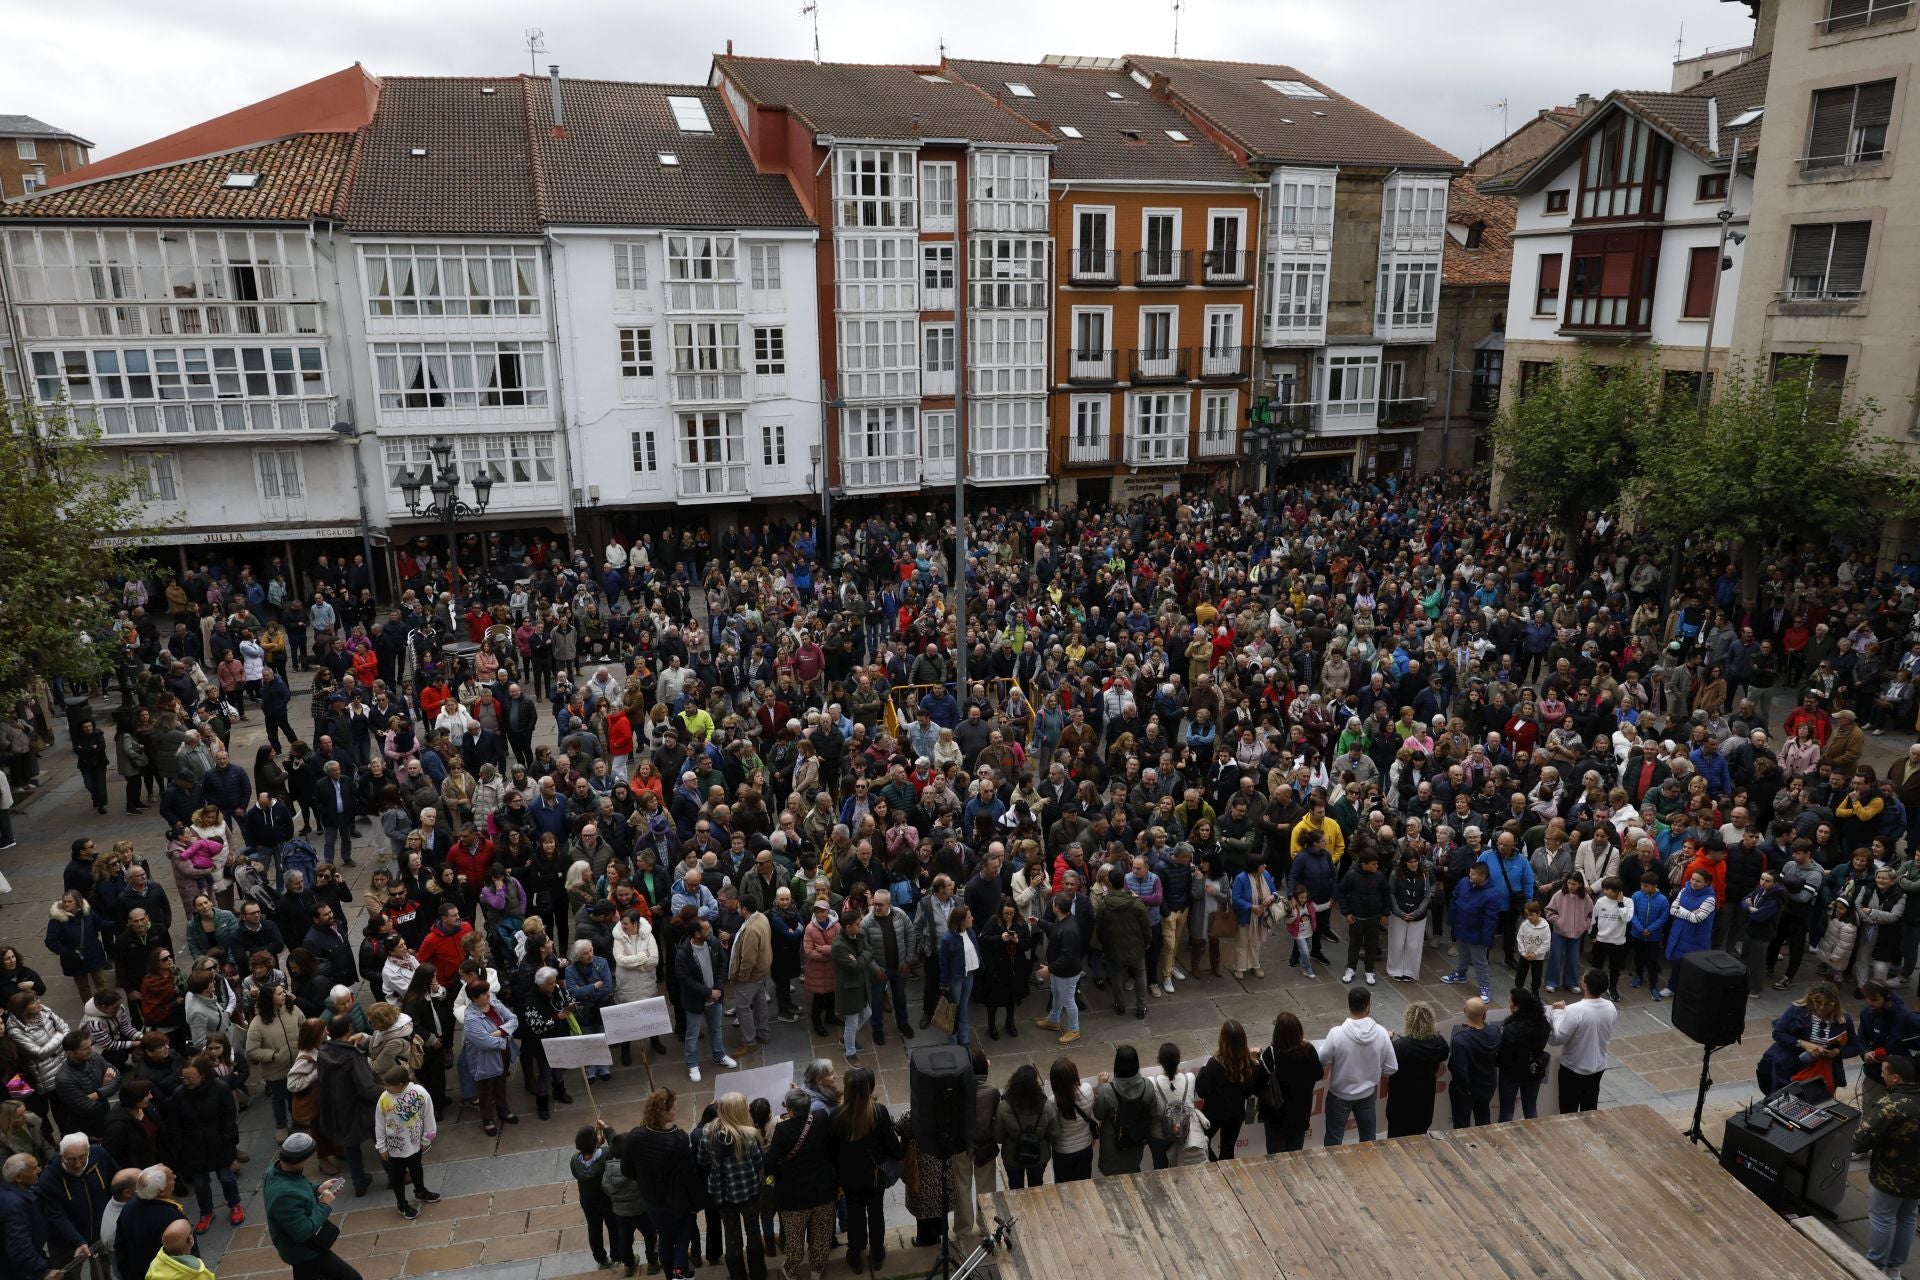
x=1607, y=1195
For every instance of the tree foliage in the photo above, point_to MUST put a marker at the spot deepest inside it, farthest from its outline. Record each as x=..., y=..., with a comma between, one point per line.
x=1774, y=453
x=1566, y=447
x=59, y=506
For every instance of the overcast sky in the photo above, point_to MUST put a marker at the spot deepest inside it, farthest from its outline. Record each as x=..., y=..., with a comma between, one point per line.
x=122, y=73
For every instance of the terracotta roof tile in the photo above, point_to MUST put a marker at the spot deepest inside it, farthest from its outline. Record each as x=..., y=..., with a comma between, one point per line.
x=1080, y=97
x=1491, y=262
x=1329, y=130
x=300, y=178
x=850, y=100
x=476, y=176
x=606, y=171
x=1683, y=115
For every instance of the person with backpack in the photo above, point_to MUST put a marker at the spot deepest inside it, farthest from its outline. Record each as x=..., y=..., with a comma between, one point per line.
x=1292, y=1067
x=1522, y=1058
x=1226, y=1081
x=1026, y=1125
x=1179, y=1133
x=1123, y=1113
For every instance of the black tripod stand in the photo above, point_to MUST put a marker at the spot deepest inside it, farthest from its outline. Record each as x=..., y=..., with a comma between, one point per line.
x=1002, y=1233
x=1696, y=1134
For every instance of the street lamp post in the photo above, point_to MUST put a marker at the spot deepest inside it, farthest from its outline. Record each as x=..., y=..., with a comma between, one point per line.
x=442, y=479
x=1275, y=439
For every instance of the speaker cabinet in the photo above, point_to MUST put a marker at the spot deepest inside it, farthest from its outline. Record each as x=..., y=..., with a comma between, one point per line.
x=942, y=1093
x=1710, y=998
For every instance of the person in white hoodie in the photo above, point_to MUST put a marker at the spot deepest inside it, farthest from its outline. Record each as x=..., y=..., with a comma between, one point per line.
x=1355, y=1055
x=403, y=1129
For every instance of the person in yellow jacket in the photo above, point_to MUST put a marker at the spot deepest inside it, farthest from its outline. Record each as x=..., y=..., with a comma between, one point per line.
x=176, y=1259
x=1316, y=819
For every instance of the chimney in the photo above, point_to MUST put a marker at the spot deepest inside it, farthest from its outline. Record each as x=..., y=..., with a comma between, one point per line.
x=559, y=114
x=1584, y=104
x=729, y=46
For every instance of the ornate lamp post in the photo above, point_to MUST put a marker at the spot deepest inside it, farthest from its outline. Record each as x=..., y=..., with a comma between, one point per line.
x=441, y=479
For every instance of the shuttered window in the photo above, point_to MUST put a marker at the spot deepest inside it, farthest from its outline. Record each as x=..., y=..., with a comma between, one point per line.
x=1703, y=272
x=1828, y=260
x=1849, y=125
x=1843, y=15
x=1546, y=299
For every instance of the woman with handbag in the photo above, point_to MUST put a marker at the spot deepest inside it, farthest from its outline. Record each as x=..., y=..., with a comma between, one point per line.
x=1212, y=920
x=801, y=1158
x=1522, y=1056
x=1227, y=1080
x=1253, y=904
x=1293, y=1068
x=867, y=1155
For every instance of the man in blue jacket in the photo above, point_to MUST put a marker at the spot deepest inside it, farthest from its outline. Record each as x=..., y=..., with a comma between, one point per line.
x=80, y=1185
x=1475, y=915
x=1313, y=867
x=27, y=1226
x=1886, y=1027
x=227, y=788
x=1511, y=875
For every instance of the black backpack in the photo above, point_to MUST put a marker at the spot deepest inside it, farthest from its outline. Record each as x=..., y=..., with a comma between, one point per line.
x=1133, y=1120
x=1029, y=1151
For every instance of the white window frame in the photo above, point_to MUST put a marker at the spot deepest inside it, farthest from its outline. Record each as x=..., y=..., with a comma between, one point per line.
x=879, y=358
x=1234, y=267
x=939, y=358
x=1007, y=191
x=1103, y=270
x=939, y=194
x=1303, y=210
x=1357, y=406
x=880, y=446
x=689, y=114
x=1393, y=380
x=707, y=360
x=1157, y=427
x=702, y=272
x=1090, y=433
x=1297, y=296
x=710, y=449
x=1147, y=218
x=877, y=272
x=280, y=483
x=938, y=263
x=1294, y=89
x=637, y=362
x=763, y=273
x=773, y=444
x=1007, y=440
x=1007, y=273
x=26, y=148
x=873, y=188
x=1219, y=423
x=1409, y=296
x=769, y=360
x=156, y=476
x=1157, y=360
x=411, y=376
x=644, y=447
x=629, y=270
x=942, y=432
x=1087, y=359
x=479, y=280
x=1006, y=354
x=1223, y=338
x=1413, y=214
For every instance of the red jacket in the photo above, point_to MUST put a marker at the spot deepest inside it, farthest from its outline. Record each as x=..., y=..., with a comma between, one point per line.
x=444, y=952
x=473, y=865
x=1715, y=869
x=619, y=734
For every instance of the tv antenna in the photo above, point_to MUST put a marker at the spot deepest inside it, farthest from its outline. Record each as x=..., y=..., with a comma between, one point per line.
x=812, y=10
x=1176, y=28
x=1501, y=107
x=536, y=45
x=1680, y=43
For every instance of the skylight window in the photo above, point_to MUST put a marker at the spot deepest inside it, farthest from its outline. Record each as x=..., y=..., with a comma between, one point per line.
x=1140, y=78
x=489, y=90
x=1018, y=90
x=1068, y=131
x=690, y=114
x=1131, y=135
x=1115, y=93
x=416, y=151
x=930, y=78
x=1745, y=118
x=241, y=181
x=669, y=158
x=1293, y=88
x=1176, y=135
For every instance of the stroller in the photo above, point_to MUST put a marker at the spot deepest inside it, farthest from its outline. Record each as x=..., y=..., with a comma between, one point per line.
x=250, y=885
x=296, y=855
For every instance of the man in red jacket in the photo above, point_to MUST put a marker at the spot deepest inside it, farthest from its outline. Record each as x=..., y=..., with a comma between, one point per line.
x=442, y=947
x=470, y=857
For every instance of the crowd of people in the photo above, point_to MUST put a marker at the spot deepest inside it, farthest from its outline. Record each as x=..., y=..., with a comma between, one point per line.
x=744, y=772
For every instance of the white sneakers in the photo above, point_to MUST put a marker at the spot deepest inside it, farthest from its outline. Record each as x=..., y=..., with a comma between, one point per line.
x=1370, y=979
x=1178, y=973
x=726, y=1062
x=1347, y=976
x=693, y=1073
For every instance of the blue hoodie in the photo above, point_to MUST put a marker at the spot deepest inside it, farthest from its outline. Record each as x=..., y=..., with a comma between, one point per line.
x=1476, y=912
x=1508, y=875
x=1650, y=916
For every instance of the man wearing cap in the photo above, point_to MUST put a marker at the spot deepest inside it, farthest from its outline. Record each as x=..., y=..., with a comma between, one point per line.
x=299, y=1215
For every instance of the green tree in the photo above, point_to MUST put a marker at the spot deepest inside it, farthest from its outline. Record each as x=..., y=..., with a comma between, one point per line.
x=1566, y=447
x=1774, y=453
x=62, y=516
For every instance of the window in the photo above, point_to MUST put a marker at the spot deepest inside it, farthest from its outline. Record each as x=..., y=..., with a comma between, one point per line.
x=1546, y=293
x=773, y=444
x=943, y=435
x=706, y=361
x=763, y=268
x=1160, y=257
x=1393, y=381
x=1008, y=274
x=1176, y=135
x=1828, y=260
x=939, y=359
x=1093, y=244
x=1413, y=210
x=1090, y=333
x=646, y=453
x=240, y=181
x=1557, y=200
x=1156, y=427
x=1711, y=187
x=1018, y=90
x=703, y=273
x=460, y=375
x=1610, y=280
x=1090, y=438
x=1703, y=276
x=1007, y=191
x=629, y=266
x=1409, y=294
x=713, y=453
x=29, y=183
x=1745, y=118
x=876, y=273
x=142, y=390
x=770, y=361
x=636, y=362
x=936, y=277
x=879, y=359
x=690, y=114
x=669, y=159
x=1845, y=15
x=879, y=446
x=451, y=280
x=1006, y=355
x=1352, y=389
x=1293, y=88
x=1849, y=125
x=872, y=187
x=1218, y=420
x=1827, y=372
x=1623, y=171
x=1225, y=235
x=26, y=148
x=154, y=476
x=1304, y=209
x=939, y=193
x=1297, y=290
x=1007, y=440
x=1068, y=131
x=281, y=492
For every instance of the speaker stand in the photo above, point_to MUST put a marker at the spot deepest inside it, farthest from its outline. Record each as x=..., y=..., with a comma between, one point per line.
x=1695, y=1134
x=942, y=1268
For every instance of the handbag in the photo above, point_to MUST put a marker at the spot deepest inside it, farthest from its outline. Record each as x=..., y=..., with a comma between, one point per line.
x=945, y=1015
x=886, y=1172
x=1223, y=923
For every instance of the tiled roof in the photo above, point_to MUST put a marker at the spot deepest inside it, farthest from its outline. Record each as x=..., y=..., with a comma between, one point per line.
x=606, y=171
x=1683, y=115
x=1079, y=97
x=1278, y=129
x=300, y=177
x=1491, y=262
x=476, y=176
x=28, y=127
x=850, y=100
